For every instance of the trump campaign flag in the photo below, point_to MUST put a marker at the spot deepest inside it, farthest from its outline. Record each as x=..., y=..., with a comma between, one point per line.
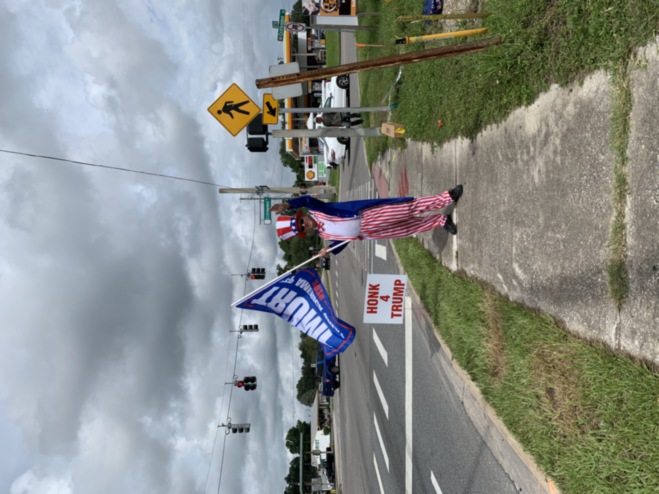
x=301, y=299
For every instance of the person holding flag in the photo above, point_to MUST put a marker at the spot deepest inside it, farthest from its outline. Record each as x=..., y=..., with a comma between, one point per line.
x=377, y=219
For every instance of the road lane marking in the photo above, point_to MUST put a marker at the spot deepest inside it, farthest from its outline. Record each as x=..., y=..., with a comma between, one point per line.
x=434, y=483
x=377, y=473
x=381, y=251
x=380, y=347
x=384, y=451
x=408, y=395
x=381, y=395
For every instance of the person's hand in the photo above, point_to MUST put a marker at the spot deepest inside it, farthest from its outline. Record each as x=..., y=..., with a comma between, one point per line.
x=322, y=252
x=278, y=208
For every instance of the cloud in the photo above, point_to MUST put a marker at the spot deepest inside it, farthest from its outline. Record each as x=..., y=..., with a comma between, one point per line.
x=117, y=287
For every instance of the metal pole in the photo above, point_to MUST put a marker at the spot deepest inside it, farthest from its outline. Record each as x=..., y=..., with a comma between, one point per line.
x=333, y=27
x=280, y=190
x=269, y=283
x=361, y=109
x=442, y=17
x=329, y=132
x=454, y=34
x=301, y=459
x=390, y=61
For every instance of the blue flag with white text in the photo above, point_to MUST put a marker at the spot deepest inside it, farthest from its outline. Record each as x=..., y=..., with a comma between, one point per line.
x=301, y=299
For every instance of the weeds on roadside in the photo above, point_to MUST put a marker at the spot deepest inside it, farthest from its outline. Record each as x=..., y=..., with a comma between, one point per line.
x=589, y=417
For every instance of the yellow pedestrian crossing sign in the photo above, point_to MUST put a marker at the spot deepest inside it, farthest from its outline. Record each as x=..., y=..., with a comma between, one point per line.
x=234, y=109
x=270, y=110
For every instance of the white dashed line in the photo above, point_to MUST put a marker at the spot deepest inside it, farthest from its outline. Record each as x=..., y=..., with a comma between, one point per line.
x=377, y=473
x=408, y=395
x=380, y=347
x=385, y=405
x=384, y=451
x=381, y=251
x=434, y=483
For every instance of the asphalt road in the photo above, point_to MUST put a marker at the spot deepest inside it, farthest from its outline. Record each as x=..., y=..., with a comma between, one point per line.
x=400, y=428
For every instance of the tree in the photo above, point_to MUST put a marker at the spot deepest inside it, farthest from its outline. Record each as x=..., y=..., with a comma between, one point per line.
x=296, y=13
x=293, y=477
x=295, y=165
x=293, y=437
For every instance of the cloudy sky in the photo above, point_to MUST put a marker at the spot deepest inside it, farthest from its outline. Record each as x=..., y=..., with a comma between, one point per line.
x=116, y=287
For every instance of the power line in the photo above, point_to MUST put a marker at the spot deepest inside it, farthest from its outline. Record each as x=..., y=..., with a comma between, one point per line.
x=110, y=167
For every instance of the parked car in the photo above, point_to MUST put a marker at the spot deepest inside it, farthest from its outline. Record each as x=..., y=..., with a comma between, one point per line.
x=335, y=94
x=327, y=370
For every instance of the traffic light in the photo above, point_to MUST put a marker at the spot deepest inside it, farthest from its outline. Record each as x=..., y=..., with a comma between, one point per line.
x=249, y=327
x=235, y=428
x=257, y=274
x=240, y=428
x=248, y=383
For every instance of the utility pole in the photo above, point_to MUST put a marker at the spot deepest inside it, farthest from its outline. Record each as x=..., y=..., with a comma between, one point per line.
x=301, y=459
x=333, y=109
x=315, y=190
x=379, y=63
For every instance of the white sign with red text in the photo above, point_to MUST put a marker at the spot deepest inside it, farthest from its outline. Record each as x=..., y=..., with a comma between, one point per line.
x=385, y=299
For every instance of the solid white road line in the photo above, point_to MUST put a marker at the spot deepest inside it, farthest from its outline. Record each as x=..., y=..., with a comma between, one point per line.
x=408, y=395
x=381, y=251
x=377, y=473
x=385, y=406
x=434, y=483
x=380, y=347
x=384, y=451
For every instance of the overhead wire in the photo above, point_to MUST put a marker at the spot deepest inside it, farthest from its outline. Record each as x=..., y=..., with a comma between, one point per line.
x=116, y=168
x=233, y=374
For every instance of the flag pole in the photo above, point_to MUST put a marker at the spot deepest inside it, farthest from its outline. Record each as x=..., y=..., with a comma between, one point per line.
x=285, y=274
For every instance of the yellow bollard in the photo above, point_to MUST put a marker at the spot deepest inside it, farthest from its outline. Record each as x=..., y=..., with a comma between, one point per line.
x=455, y=34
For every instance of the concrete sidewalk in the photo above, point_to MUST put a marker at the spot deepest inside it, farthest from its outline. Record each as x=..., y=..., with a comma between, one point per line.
x=535, y=217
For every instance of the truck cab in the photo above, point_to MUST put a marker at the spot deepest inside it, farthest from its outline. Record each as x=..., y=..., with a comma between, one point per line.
x=327, y=371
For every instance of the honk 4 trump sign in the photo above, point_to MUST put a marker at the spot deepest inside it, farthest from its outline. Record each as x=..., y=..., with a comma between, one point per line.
x=385, y=299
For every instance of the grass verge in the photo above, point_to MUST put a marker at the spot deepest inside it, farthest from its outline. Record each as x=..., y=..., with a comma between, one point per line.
x=589, y=418
x=557, y=41
x=332, y=48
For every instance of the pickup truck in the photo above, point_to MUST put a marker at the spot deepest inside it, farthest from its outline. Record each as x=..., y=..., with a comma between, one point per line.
x=327, y=371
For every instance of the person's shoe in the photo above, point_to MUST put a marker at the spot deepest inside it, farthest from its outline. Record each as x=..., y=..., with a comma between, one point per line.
x=456, y=193
x=449, y=226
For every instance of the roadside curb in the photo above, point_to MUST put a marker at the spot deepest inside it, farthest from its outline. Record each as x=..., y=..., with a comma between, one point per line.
x=512, y=457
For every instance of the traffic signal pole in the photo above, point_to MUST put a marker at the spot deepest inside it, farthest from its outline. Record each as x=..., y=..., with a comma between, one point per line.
x=329, y=132
x=279, y=190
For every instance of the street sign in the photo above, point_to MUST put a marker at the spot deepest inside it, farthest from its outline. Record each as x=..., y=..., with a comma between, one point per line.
x=270, y=110
x=267, y=218
x=234, y=109
x=295, y=27
x=290, y=90
x=282, y=21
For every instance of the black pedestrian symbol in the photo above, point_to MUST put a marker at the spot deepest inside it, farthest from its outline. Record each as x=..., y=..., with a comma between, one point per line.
x=272, y=110
x=230, y=106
